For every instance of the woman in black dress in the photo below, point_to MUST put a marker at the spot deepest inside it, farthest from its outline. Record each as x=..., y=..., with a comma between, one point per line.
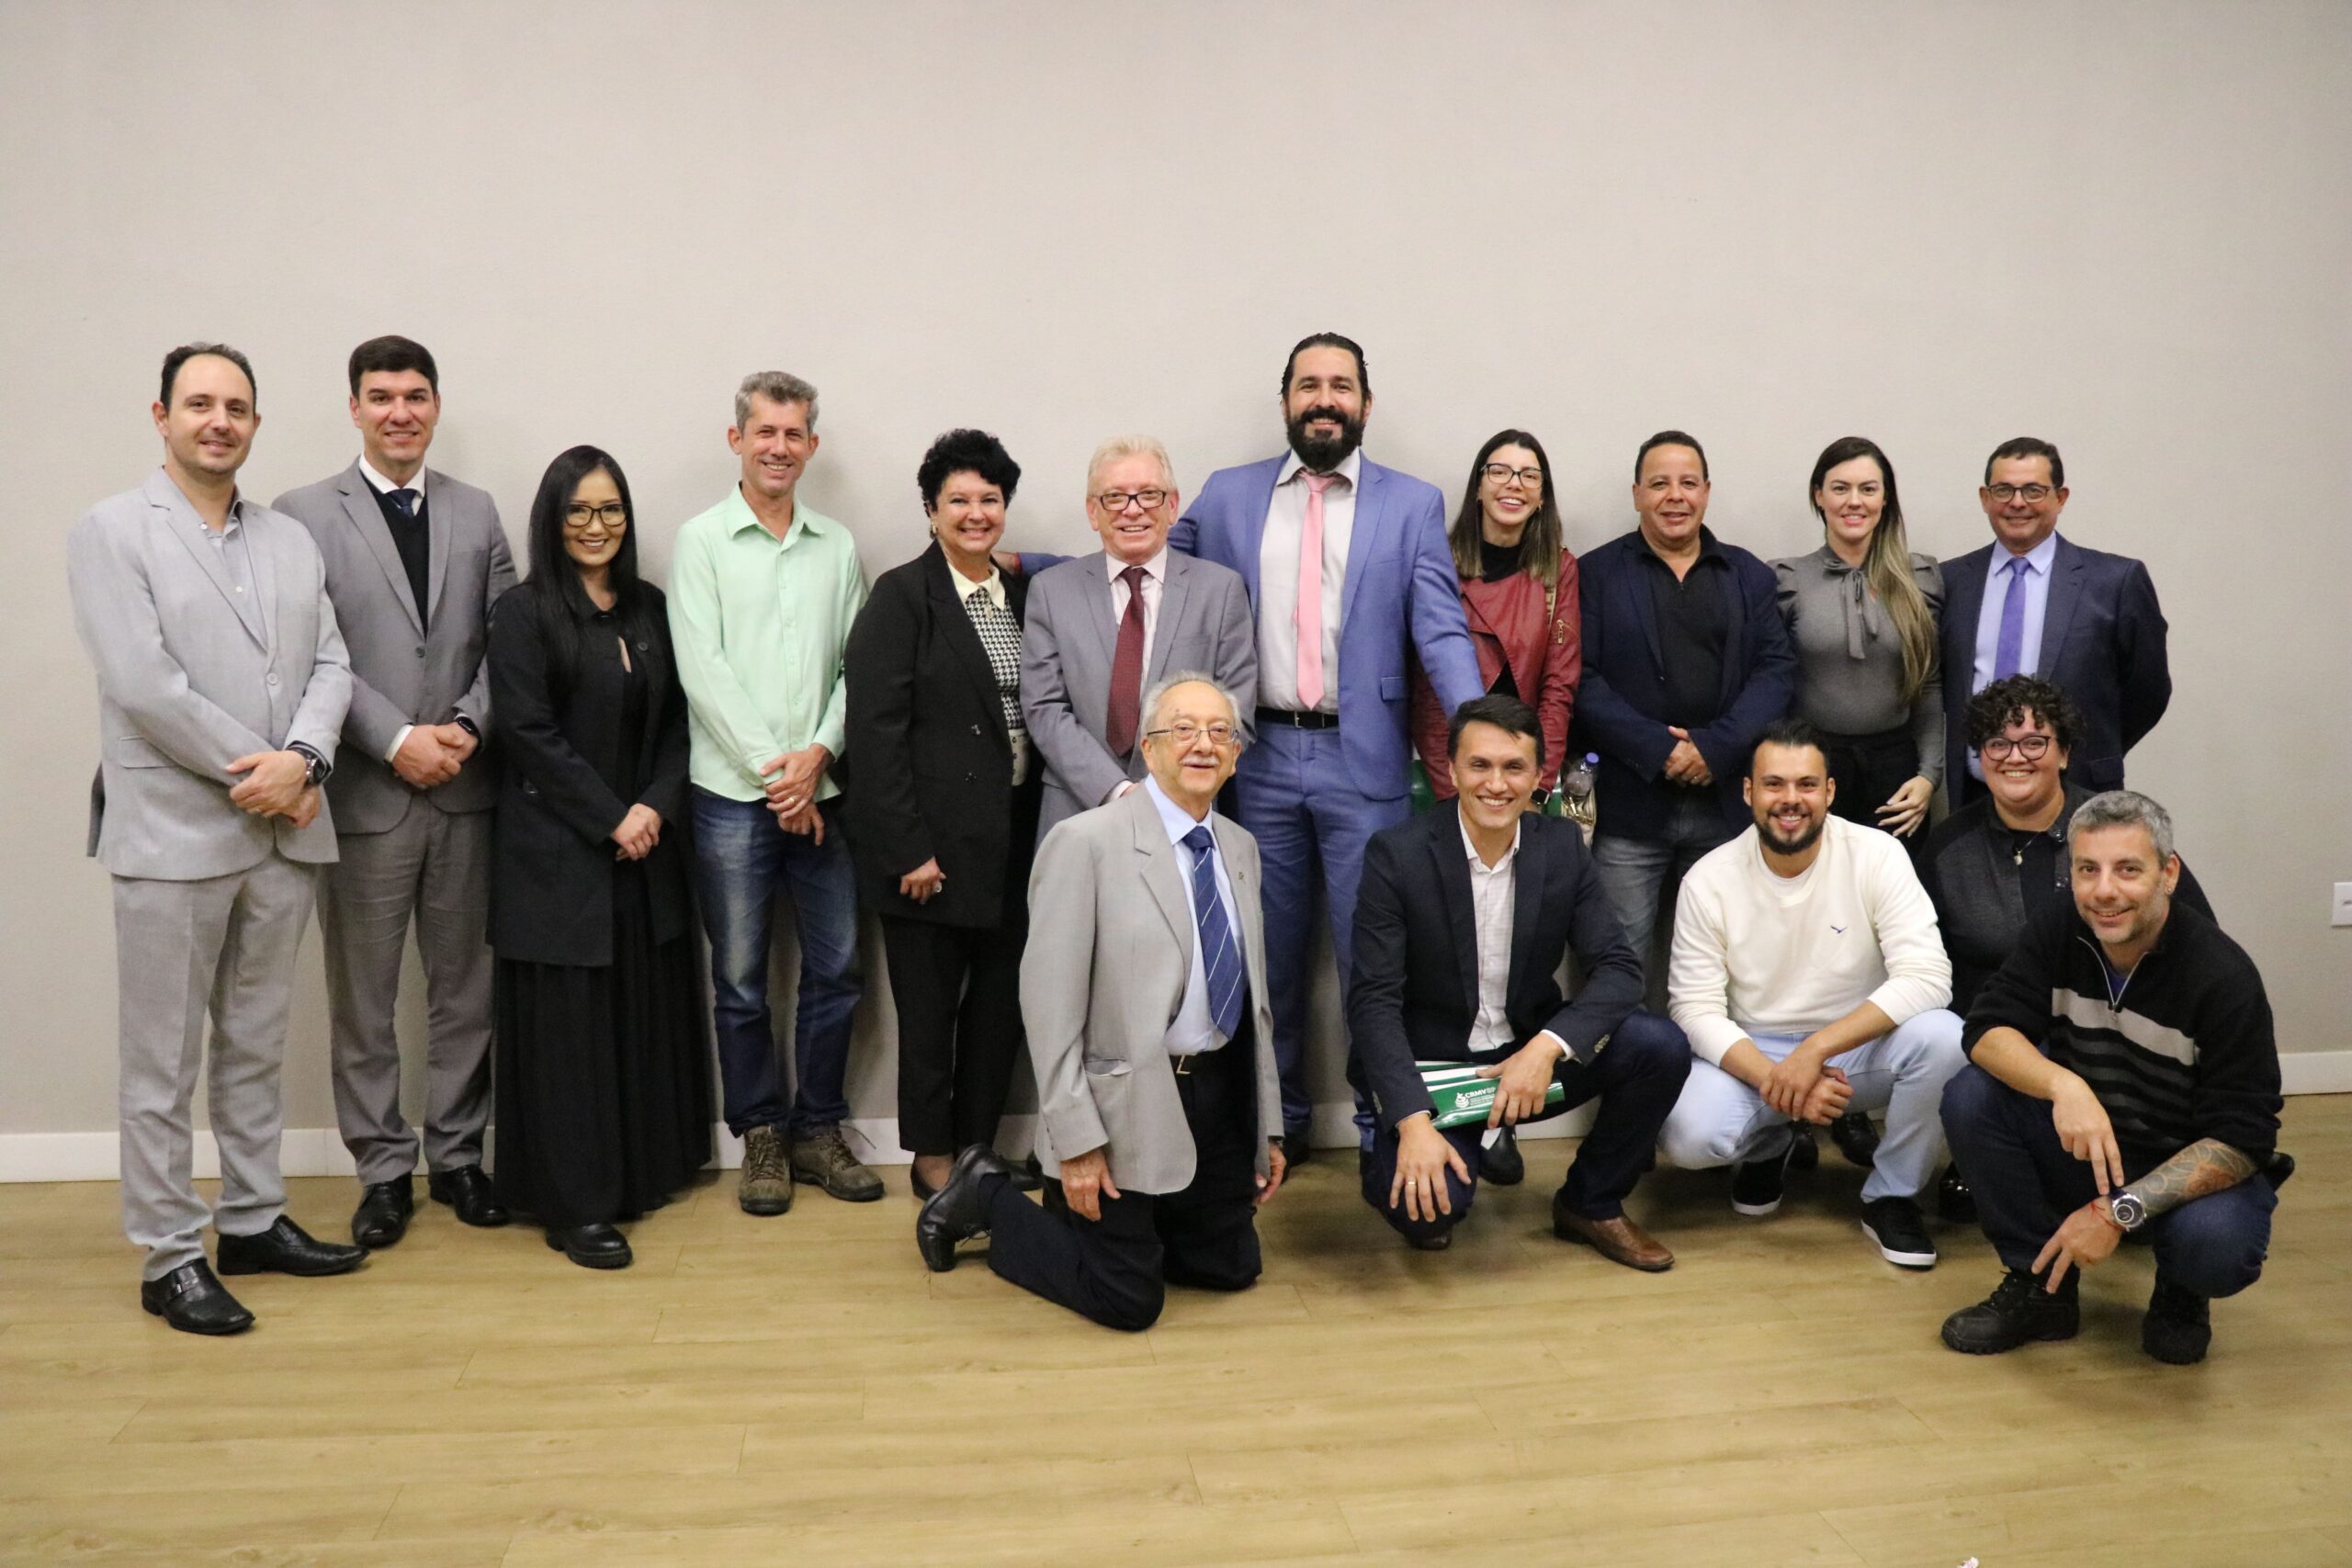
x=944, y=815
x=603, y=1036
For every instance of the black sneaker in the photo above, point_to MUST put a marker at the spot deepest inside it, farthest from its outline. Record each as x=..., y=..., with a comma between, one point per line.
x=1955, y=1200
x=1804, y=1152
x=2018, y=1312
x=1900, y=1233
x=2178, y=1329
x=1756, y=1184
x=1856, y=1136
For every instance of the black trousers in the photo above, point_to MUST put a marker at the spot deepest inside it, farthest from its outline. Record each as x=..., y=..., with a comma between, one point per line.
x=1867, y=770
x=1116, y=1270
x=958, y=990
x=1637, y=1077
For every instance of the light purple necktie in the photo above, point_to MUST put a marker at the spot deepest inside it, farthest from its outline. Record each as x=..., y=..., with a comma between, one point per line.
x=2008, y=653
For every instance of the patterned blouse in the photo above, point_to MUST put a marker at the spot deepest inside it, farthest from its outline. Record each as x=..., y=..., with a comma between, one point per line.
x=1000, y=632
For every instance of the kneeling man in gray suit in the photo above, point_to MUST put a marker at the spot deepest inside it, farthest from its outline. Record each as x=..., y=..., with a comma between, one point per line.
x=414, y=560
x=1151, y=1034
x=221, y=686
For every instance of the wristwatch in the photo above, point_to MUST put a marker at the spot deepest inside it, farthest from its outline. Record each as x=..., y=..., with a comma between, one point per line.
x=2127, y=1211
x=315, y=767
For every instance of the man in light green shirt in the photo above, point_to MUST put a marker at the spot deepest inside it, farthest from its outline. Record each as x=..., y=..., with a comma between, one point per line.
x=762, y=591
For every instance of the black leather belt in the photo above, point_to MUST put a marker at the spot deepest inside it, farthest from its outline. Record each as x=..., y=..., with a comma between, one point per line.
x=1292, y=718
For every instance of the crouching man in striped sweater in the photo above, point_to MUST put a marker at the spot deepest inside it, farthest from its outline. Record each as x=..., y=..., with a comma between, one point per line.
x=2124, y=1083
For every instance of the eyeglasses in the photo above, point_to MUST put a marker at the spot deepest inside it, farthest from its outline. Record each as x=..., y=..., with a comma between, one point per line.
x=1184, y=732
x=2018, y=493
x=1115, y=501
x=2029, y=747
x=612, y=515
x=1503, y=473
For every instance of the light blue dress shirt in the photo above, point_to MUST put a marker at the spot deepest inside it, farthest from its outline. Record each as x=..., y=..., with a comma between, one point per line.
x=2038, y=561
x=1192, y=1032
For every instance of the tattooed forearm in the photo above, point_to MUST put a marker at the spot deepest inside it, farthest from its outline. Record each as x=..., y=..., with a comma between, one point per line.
x=2206, y=1166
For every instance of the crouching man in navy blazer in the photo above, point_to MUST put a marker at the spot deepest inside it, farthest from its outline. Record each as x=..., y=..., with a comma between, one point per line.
x=1144, y=983
x=1463, y=920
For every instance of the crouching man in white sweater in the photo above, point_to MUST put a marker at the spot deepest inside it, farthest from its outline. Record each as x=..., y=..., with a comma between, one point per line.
x=1809, y=974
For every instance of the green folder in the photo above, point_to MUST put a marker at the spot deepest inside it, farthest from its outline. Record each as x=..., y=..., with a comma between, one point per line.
x=1463, y=1096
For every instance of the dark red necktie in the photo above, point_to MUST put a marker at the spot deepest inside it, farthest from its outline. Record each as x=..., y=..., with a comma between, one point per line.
x=1126, y=670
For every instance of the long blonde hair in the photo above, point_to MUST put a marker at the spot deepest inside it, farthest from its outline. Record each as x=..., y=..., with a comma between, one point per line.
x=1886, y=564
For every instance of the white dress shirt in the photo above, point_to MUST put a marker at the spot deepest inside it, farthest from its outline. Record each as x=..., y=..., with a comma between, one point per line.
x=1155, y=584
x=1493, y=894
x=1278, y=580
x=383, y=486
x=1192, y=1032
x=993, y=586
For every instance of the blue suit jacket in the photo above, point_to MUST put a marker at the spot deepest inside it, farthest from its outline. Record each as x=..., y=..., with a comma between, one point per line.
x=2102, y=644
x=1621, y=703
x=1401, y=591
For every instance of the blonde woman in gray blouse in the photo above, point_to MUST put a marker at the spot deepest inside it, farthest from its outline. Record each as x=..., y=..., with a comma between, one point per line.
x=1861, y=612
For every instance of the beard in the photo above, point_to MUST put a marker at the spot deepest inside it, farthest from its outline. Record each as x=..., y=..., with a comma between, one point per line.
x=1797, y=845
x=1322, y=454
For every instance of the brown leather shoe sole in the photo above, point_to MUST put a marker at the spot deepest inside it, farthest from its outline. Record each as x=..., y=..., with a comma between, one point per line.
x=1619, y=1240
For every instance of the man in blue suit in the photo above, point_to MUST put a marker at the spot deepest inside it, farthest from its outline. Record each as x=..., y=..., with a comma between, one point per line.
x=1347, y=570
x=2035, y=604
x=1685, y=661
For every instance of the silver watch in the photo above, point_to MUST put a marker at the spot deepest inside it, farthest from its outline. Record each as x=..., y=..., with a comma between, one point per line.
x=2129, y=1212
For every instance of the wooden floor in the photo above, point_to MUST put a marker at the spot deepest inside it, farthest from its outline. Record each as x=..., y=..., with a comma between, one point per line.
x=799, y=1390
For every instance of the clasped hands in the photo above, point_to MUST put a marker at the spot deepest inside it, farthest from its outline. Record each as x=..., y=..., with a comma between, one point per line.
x=791, y=781
x=276, y=784
x=1684, y=764
x=1804, y=1088
x=431, y=754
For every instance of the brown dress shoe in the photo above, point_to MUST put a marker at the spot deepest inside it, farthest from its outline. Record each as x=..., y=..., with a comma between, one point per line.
x=1619, y=1240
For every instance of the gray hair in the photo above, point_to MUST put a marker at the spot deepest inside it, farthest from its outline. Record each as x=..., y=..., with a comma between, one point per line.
x=1159, y=693
x=2123, y=808
x=1119, y=446
x=777, y=386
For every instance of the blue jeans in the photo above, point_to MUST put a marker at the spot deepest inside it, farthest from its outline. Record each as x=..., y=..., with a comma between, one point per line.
x=2026, y=1184
x=1635, y=873
x=742, y=860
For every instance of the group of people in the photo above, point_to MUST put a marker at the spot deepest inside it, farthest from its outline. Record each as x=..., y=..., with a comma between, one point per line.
x=1096, y=804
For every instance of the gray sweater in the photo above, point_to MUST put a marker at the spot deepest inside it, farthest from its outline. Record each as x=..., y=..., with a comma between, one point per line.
x=1850, y=660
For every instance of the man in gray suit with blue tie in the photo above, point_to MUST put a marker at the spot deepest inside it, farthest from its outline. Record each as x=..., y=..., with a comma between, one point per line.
x=414, y=560
x=222, y=683
x=1151, y=1035
x=1103, y=628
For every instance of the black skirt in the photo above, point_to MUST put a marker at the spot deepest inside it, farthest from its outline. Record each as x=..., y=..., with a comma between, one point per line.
x=603, y=1074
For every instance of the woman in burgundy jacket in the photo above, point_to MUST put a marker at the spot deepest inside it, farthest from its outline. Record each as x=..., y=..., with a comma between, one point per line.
x=1519, y=591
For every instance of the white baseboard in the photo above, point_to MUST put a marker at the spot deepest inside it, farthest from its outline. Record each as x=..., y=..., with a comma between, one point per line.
x=319, y=1151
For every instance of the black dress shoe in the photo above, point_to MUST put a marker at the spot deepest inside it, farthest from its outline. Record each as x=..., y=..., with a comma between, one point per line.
x=287, y=1248
x=1955, y=1201
x=1502, y=1164
x=923, y=1190
x=192, y=1301
x=959, y=1210
x=591, y=1247
x=467, y=1190
x=1804, y=1152
x=383, y=1213
x=1297, y=1148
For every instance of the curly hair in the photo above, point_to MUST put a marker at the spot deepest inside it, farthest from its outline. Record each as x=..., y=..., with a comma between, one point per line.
x=2009, y=700
x=966, y=451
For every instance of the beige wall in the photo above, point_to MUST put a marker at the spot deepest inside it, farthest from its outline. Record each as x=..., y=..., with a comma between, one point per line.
x=2123, y=227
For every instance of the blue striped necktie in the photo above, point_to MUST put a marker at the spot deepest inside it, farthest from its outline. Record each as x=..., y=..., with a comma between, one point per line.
x=1220, y=954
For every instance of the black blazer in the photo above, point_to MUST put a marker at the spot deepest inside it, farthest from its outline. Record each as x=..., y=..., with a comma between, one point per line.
x=1621, y=698
x=551, y=878
x=934, y=755
x=1415, y=993
x=2102, y=644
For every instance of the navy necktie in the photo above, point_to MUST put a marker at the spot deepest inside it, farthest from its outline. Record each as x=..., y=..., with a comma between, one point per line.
x=1220, y=954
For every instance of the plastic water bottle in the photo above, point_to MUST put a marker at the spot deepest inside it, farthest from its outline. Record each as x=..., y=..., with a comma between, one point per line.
x=1575, y=787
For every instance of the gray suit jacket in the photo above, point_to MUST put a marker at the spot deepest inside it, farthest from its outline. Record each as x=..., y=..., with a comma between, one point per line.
x=408, y=669
x=1110, y=950
x=1066, y=649
x=193, y=675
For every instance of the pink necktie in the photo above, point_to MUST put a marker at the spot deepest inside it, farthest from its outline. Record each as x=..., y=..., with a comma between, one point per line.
x=1310, y=595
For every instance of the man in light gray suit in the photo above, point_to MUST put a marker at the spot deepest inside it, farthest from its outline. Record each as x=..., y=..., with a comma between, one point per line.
x=1102, y=629
x=1151, y=1035
x=414, y=560
x=221, y=685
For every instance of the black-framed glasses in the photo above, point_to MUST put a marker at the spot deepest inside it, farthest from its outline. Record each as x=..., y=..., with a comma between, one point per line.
x=1184, y=732
x=1115, y=501
x=1503, y=473
x=2020, y=493
x=2030, y=746
x=612, y=515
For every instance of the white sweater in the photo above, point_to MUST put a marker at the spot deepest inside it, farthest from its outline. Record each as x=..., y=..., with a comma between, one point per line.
x=1756, y=952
